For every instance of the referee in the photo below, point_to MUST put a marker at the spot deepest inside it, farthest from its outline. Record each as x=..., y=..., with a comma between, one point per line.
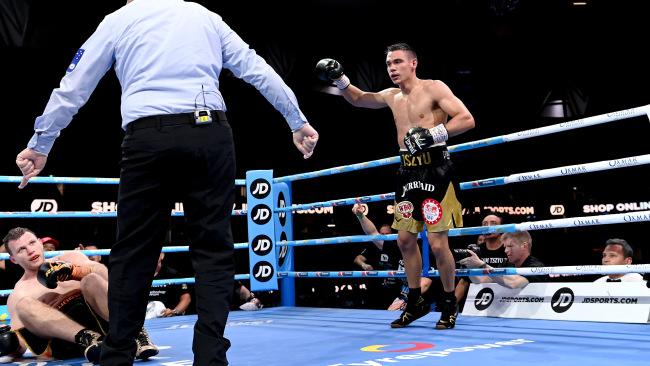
x=167, y=55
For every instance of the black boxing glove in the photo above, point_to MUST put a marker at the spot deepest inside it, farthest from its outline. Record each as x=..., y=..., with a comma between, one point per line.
x=332, y=70
x=418, y=139
x=50, y=273
x=9, y=342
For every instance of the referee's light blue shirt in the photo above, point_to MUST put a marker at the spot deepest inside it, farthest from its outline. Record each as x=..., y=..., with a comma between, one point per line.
x=164, y=52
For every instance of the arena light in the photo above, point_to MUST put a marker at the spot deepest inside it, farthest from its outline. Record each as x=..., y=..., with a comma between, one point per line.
x=564, y=102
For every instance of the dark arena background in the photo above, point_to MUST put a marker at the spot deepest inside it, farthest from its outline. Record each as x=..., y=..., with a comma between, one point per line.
x=517, y=65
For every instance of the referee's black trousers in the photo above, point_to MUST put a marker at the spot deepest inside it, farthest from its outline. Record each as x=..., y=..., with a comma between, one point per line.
x=163, y=162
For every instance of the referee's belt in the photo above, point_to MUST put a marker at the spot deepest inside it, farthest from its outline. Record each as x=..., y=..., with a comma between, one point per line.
x=164, y=120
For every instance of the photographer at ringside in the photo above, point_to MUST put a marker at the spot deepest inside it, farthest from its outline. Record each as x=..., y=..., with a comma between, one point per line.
x=490, y=250
x=518, y=246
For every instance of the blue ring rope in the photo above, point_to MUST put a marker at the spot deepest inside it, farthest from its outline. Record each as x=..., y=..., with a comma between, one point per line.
x=76, y=180
x=338, y=202
x=81, y=214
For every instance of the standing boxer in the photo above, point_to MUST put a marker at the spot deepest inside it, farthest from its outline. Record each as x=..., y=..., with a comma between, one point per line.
x=425, y=193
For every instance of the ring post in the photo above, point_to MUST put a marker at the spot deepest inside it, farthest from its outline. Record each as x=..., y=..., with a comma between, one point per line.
x=284, y=231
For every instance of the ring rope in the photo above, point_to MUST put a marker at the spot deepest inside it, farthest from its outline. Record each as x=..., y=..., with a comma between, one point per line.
x=336, y=240
x=169, y=281
x=81, y=214
x=558, y=127
x=493, y=272
x=557, y=172
x=338, y=202
x=104, y=252
x=515, y=136
x=621, y=218
x=76, y=180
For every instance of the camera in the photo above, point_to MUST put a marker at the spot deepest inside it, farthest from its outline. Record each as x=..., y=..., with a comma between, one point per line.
x=464, y=253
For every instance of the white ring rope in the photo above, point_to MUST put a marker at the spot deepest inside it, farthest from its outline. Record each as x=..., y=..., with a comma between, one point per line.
x=560, y=171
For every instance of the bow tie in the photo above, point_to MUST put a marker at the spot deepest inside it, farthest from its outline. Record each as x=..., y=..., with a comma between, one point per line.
x=614, y=280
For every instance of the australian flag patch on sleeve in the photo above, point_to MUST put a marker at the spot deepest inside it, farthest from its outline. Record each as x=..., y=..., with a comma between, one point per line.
x=75, y=60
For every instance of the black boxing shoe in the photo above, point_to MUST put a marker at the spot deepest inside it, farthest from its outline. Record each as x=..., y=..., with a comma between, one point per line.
x=448, y=314
x=90, y=341
x=412, y=313
x=146, y=348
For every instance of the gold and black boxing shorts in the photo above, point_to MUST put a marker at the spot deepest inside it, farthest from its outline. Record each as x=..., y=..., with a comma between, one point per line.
x=76, y=308
x=425, y=193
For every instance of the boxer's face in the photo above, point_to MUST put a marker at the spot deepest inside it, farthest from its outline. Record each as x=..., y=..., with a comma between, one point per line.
x=400, y=65
x=27, y=251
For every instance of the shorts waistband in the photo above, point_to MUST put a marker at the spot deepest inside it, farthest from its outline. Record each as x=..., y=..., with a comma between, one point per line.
x=444, y=144
x=164, y=120
x=434, y=155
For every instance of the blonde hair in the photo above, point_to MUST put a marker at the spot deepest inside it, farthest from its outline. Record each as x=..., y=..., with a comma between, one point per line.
x=520, y=237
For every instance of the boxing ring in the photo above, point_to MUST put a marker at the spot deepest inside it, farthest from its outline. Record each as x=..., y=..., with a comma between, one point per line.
x=289, y=335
